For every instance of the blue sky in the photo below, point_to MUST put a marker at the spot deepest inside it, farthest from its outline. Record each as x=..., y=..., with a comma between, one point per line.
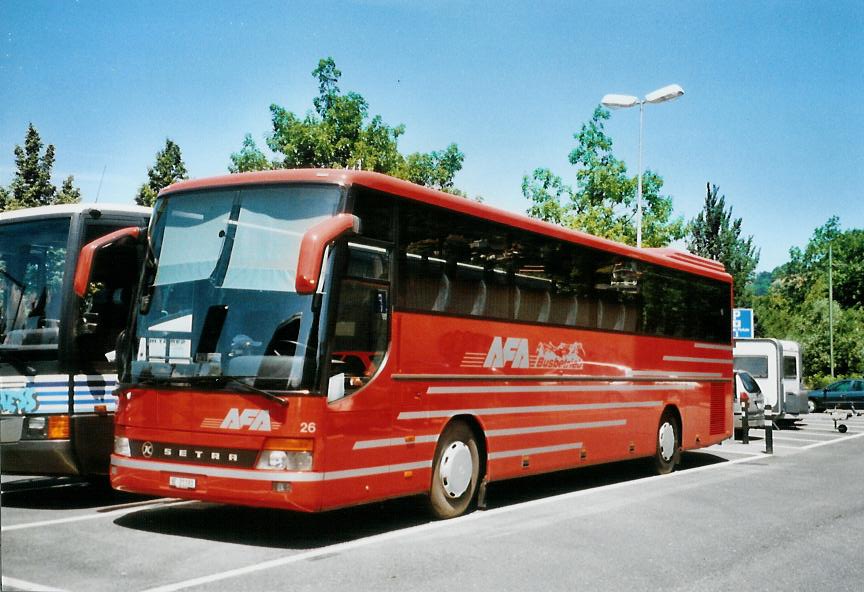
x=772, y=112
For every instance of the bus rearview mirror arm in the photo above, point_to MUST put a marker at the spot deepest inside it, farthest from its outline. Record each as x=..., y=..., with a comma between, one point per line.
x=313, y=244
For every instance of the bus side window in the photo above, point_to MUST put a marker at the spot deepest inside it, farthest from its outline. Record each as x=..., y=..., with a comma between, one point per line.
x=360, y=333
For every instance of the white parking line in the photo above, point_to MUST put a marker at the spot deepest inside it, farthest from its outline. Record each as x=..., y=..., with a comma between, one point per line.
x=842, y=439
x=359, y=543
x=110, y=514
x=8, y=582
x=733, y=451
x=797, y=439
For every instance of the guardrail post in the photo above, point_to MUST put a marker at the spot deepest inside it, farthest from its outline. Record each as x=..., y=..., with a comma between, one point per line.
x=769, y=430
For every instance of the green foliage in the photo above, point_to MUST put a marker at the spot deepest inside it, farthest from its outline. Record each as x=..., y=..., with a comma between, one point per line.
x=339, y=133
x=250, y=158
x=31, y=186
x=68, y=194
x=796, y=304
x=434, y=169
x=604, y=200
x=169, y=168
x=715, y=234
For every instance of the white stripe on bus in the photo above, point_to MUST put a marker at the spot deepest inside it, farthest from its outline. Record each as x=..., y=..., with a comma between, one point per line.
x=556, y=428
x=698, y=360
x=666, y=374
x=431, y=439
x=387, y=442
x=567, y=388
x=713, y=346
x=538, y=450
x=258, y=475
x=533, y=409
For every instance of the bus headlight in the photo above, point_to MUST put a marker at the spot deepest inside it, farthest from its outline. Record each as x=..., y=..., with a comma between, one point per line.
x=34, y=427
x=122, y=446
x=286, y=454
x=51, y=427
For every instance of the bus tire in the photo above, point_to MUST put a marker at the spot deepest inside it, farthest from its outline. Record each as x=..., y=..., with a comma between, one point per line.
x=668, y=443
x=455, y=472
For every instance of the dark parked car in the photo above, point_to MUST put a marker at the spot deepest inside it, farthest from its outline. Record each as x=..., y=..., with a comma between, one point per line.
x=747, y=388
x=842, y=393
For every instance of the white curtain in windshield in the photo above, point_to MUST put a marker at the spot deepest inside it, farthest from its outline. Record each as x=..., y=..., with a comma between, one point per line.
x=194, y=233
x=269, y=230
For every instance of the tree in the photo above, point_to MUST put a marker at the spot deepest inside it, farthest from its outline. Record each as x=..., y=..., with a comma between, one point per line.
x=250, y=158
x=715, y=234
x=339, y=133
x=31, y=186
x=68, y=194
x=796, y=305
x=603, y=202
x=169, y=168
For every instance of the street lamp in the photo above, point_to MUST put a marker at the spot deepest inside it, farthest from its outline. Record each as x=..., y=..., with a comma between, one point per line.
x=661, y=95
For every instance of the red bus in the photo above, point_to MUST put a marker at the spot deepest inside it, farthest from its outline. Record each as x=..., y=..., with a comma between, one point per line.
x=312, y=339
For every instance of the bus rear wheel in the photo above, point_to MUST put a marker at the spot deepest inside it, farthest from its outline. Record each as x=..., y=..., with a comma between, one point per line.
x=668, y=444
x=455, y=472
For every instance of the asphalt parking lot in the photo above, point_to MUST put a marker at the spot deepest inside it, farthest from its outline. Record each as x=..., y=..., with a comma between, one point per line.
x=732, y=516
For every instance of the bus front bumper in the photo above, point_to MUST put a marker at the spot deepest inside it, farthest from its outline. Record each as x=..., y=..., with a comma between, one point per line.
x=248, y=487
x=37, y=457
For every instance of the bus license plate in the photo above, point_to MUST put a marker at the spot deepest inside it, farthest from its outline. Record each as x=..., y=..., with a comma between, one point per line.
x=181, y=482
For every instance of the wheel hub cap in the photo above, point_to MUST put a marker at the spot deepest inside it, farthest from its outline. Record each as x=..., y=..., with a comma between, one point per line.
x=667, y=441
x=456, y=469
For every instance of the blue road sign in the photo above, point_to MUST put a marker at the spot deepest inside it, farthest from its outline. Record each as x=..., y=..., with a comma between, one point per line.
x=743, y=326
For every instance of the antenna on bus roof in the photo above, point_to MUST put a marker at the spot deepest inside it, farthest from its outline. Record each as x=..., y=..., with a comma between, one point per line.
x=99, y=189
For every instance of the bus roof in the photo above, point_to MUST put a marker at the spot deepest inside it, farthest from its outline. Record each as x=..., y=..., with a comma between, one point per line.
x=69, y=209
x=666, y=256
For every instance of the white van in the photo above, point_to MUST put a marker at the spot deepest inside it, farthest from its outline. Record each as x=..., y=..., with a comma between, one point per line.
x=776, y=366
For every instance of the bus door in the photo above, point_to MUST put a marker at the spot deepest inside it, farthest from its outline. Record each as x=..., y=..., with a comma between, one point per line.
x=98, y=316
x=360, y=408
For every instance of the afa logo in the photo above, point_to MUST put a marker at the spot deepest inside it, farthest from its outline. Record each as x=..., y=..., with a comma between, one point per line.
x=513, y=350
x=18, y=400
x=257, y=420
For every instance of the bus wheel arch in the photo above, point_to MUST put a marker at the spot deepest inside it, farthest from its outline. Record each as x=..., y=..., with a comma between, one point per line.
x=458, y=467
x=669, y=438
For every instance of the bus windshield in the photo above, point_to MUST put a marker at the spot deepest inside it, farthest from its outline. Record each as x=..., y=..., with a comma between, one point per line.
x=218, y=298
x=32, y=260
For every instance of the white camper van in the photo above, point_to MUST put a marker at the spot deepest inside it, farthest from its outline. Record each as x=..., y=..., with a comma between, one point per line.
x=776, y=366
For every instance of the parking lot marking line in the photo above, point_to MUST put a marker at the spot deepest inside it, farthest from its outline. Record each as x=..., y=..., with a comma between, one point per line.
x=169, y=502
x=733, y=451
x=359, y=543
x=22, y=585
x=840, y=439
x=797, y=439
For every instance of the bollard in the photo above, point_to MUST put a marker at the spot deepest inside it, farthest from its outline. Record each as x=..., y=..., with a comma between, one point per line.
x=769, y=430
x=745, y=428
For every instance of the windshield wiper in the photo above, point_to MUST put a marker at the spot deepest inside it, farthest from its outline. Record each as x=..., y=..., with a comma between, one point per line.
x=218, y=380
x=236, y=381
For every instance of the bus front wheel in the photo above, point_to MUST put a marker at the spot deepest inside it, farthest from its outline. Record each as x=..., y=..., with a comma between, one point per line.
x=668, y=443
x=455, y=472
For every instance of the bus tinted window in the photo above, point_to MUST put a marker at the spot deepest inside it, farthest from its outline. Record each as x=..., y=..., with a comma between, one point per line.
x=456, y=264
x=32, y=261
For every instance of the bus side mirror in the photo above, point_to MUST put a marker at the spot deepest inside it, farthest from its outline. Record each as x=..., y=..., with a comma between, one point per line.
x=312, y=248
x=94, y=271
x=84, y=269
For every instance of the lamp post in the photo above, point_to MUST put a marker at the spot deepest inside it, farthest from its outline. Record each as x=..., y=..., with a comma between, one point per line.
x=661, y=95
